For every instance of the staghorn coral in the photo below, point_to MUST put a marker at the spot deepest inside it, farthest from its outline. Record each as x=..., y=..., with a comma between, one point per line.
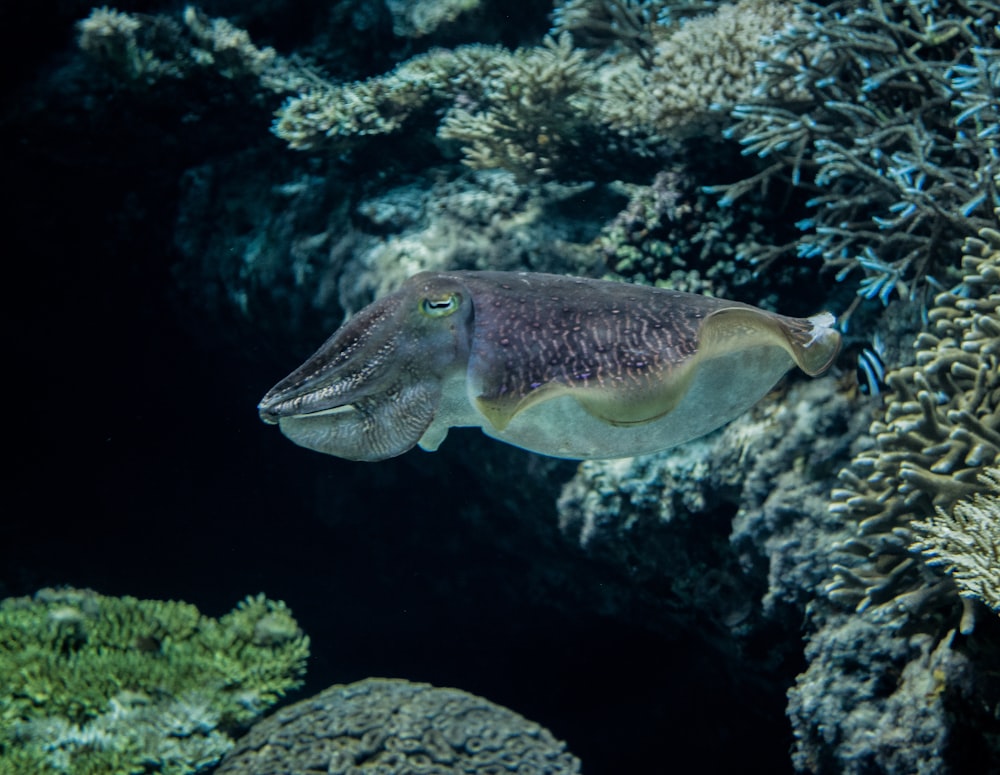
x=884, y=115
x=89, y=682
x=519, y=110
x=388, y=726
x=967, y=542
x=939, y=432
x=531, y=115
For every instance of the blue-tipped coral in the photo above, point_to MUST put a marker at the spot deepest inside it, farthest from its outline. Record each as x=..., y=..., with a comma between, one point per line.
x=885, y=113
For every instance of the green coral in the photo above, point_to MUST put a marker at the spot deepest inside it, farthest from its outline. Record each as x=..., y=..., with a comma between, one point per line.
x=966, y=542
x=939, y=433
x=105, y=684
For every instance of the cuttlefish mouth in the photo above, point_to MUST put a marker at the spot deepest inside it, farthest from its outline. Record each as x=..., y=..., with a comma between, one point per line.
x=276, y=406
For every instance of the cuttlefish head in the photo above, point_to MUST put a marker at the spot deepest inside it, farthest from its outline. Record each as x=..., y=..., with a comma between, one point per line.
x=371, y=391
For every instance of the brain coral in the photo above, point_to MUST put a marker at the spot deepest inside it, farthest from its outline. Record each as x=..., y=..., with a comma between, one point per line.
x=940, y=432
x=391, y=727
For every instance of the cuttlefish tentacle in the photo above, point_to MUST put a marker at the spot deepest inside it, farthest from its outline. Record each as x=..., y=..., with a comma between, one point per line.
x=563, y=366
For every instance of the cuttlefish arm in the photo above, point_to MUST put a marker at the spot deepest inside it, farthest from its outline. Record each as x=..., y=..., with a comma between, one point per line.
x=562, y=366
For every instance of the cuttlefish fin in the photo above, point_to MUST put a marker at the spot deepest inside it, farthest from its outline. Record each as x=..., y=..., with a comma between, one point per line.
x=811, y=343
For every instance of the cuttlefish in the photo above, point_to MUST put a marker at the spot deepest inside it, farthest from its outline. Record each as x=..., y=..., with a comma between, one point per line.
x=562, y=366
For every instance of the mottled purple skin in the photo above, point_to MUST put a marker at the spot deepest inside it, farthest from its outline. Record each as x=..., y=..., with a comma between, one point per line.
x=563, y=366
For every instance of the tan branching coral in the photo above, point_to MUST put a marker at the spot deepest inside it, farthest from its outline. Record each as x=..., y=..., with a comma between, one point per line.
x=143, y=50
x=966, y=542
x=531, y=116
x=696, y=73
x=939, y=433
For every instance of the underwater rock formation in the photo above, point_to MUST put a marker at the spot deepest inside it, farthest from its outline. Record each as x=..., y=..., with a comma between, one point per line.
x=95, y=684
x=388, y=726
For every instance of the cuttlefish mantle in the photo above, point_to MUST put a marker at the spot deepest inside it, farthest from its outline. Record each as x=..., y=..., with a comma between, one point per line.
x=562, y=366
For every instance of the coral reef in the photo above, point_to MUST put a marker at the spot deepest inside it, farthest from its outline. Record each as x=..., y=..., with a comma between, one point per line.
x=543, y=111
x=885, y=115
x=90, y=683
x=967, y=541
x=940, y=431
x=674, y=235
x=389, y=726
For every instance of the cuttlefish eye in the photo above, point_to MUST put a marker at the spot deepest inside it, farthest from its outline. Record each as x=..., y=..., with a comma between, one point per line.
x=440, y=307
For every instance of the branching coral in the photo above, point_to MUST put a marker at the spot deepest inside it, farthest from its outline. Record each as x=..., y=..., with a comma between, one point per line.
x=601, y=23
x=966, y=542
x=96, y=684
x=545, y=110
x=939, y=433
x=695, y=73
x=388, y=726
x=530, y=117
x=886, y=113
x=518, y=110
x=143, y=50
